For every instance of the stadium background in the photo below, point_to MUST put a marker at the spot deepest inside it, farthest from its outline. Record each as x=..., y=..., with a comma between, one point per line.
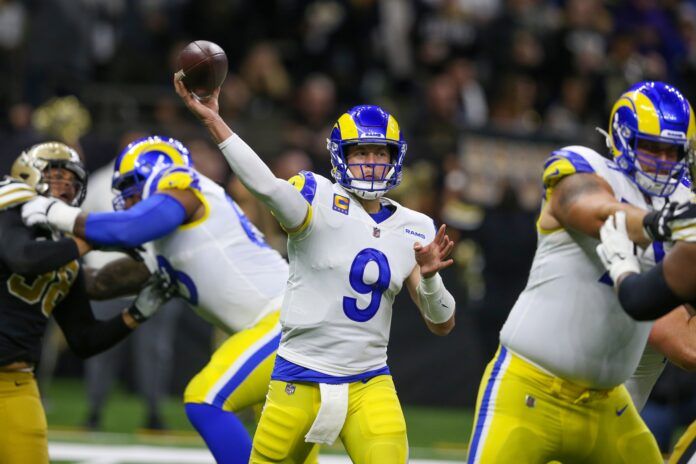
x=483, y=90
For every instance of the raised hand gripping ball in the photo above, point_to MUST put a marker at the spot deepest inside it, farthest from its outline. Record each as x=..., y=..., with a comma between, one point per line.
x=202, y=67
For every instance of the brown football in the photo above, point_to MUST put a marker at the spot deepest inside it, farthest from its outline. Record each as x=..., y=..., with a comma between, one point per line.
x=202, y=67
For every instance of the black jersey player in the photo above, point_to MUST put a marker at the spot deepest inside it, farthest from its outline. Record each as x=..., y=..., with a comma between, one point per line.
x=40, y=276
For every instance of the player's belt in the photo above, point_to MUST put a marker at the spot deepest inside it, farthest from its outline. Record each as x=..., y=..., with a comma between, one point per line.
x=18, y=366
x=553, y=384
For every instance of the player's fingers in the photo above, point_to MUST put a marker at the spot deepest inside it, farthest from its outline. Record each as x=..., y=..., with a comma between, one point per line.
x=440, y=232
x=445, y=264
x=447, y=250
x=178, y=86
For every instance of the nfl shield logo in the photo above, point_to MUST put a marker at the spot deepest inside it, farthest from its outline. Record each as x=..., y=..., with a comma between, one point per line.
x=289, y=389
x=375, y=232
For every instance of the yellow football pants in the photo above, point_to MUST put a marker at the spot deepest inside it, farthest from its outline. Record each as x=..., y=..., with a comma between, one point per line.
x=23, y=426
x=238, y=373
x=685, y=449
x=374, y=431
x=525, y=415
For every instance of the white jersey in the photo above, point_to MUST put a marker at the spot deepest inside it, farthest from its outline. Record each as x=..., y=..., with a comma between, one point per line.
x=220, y=262
x=345, y=270
x=98, y=199
x=568, y=319
x=642, y=381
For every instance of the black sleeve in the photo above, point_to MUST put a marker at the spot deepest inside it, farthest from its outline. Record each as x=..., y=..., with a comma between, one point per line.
x=87, y=336
x=23, y=254
x=646, y=297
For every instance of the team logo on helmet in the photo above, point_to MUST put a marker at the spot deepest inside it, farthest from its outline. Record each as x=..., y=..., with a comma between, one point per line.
x=140, y=160
x=650, y=118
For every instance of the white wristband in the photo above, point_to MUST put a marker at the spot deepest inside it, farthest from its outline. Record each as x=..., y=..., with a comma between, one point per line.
x=62, y=216
x=436, y=303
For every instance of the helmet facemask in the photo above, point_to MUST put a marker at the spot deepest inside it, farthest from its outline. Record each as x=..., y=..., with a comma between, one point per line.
x=650, y=129
x=34, y=167
x=366, y=184
x=654, y=176
x=125, y=188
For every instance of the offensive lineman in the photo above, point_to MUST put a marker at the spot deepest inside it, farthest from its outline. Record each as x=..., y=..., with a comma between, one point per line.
x=670, y=283
x=350, y=253
x=553, y=390
x=219, y=263
x=42, y=277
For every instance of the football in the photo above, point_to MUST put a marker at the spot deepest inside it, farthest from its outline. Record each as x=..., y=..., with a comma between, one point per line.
x=202, y=67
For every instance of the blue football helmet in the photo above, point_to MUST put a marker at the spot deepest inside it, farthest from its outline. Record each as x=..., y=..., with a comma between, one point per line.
x=657, y=114
x=140, y=160
x=366, y=124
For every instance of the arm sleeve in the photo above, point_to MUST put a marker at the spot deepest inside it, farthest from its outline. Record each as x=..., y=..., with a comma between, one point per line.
x=285, y=201
x=85, y=335
x=150, y=219
x=25, y=255
x=647, y=296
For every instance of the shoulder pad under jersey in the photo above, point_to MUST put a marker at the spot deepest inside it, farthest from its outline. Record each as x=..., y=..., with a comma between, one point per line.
x=306, y=183
x=173, y=177
x=563, y=163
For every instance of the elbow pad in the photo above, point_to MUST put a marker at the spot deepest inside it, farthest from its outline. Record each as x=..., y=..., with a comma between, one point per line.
x=435, y=302
x=150, y=219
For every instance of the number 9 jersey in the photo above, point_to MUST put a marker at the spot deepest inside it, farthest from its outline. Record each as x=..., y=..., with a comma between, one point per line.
x=346, y=267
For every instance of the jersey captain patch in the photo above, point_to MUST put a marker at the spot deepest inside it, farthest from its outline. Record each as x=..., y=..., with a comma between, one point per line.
x=341, y=203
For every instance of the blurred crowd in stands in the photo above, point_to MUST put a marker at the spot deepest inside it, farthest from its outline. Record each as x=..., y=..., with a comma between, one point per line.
x=483, y=90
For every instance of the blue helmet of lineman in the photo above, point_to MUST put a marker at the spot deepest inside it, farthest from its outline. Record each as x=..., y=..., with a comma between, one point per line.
x=651, y=129
x=140, y=160
x=366, y=124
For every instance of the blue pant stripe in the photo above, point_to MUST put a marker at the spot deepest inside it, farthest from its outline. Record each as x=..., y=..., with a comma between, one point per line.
x=483, y=410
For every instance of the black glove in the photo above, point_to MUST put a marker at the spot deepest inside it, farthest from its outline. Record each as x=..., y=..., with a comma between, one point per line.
x=157, y=291
x=659, y=225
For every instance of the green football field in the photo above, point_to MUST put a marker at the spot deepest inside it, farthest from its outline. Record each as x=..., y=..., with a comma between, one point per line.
x=435, y=435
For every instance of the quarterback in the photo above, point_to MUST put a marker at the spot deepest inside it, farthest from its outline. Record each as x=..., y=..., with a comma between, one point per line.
x=219, y=263
x=554, y=389
x=351, y=250
x=41, y=278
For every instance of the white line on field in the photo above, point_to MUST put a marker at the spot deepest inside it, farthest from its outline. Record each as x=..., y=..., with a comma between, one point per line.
x=110, y=454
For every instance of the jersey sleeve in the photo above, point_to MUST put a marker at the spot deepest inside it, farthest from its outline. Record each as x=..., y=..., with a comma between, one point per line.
x=27, y=255
x=561, y=164
x=306, y=183
x=683, y=224
x=14, y=193
x=173, y=178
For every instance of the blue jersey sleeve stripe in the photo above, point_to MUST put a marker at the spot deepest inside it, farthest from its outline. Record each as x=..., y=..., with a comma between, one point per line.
x=310, y=186
x=579, y=163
